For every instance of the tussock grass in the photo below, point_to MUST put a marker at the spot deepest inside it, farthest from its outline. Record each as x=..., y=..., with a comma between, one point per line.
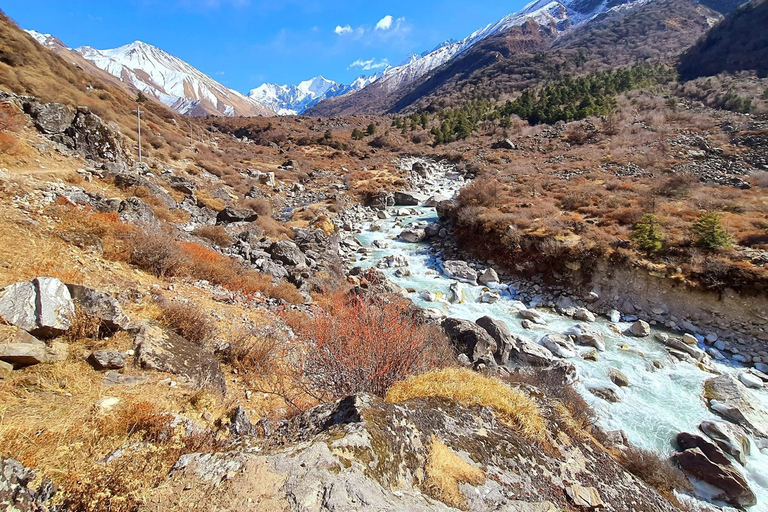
x=445, y=470
x=513, y=407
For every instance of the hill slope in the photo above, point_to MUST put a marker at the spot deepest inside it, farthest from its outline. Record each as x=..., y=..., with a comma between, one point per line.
x=738, y=43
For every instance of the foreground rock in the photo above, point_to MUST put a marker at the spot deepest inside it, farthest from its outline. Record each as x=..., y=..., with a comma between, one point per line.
x=362, y=453
x=100, y=305
x=19, y=489
x=43, y=307
x=732, y=400
x=720, y=473
x=469, y=338
x=640, y=329
x=731, y=439
x=165, y=351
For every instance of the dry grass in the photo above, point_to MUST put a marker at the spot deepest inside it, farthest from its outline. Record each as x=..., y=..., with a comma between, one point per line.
x=188, y=321
x=216, y=234
x=214, y=203
x=513, y=407
x=445, y=471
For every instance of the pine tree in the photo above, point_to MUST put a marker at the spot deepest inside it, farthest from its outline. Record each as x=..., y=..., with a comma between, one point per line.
x=647, y=235
x=709, y=233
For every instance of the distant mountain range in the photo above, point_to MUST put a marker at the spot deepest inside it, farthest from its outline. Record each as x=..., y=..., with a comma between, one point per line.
x=296, y=99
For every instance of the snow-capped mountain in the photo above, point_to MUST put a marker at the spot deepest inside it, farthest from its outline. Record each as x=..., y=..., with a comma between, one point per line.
x=172, y=81
x=46, y=40
x=560, y=15
x=290, y=100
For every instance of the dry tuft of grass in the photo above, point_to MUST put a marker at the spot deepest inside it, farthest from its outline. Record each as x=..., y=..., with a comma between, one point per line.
x=188, y=321
x=445, y=471
x=514, y=408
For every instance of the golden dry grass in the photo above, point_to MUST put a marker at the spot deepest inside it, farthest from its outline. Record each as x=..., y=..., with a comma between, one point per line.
x=512, y=407
x=445, y=471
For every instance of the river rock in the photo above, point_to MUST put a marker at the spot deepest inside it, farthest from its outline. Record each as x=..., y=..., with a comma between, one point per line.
x=469, y=338
x=460, y=271
x=43, y=307
x=505, y=343
x=618, y=378
x=100, y=305
x=751, y=381
x=691, y=350
x=532, y=316
x=732, y=400
x=586, y=336
x=590, y=355
x=584, y=315
x=730, y=438
x=614, y=316
x=558, y=345
x=606, y=393
x=762, y=367
x=640, y=329
x=428, y=296
x=433, y=201
x=686, y=441
x=725, y=477
x=455, y=293
x=488, y=277
x=406, y=199
x=490, y=297
x=532, y=353
x=163, y=350
x=690, y=339
x=107, y=360
x=412, y=236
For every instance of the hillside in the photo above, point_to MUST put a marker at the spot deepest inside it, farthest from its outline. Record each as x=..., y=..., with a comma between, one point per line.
x=738, y=43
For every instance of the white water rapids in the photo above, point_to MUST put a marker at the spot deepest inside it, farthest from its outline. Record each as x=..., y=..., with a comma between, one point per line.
x=654, y=408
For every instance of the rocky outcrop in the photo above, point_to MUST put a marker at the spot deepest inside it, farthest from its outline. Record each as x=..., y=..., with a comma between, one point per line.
x=19, y=348
x=730, y=438
x=460, y=271
x=136, y=211
x=499, y=331
x=163, y=350
x=288, y=253
x=362, y=453
x=18, y=492
x=406, y=199
x=43, y=307
x=714, y=468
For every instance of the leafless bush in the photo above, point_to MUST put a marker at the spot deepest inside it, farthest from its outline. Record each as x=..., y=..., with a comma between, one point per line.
x=188, y=321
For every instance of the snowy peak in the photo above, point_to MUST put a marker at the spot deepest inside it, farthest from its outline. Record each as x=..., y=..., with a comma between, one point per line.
x=291, y=100
x=174, y=82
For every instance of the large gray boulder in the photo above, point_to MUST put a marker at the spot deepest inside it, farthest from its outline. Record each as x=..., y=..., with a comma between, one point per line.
x=107, y=360
x=585, y=335
x=730, y=438
x=488, y=277
x=505, y=343
x=532, y=316
x=559, y=345
x=733, y=401
x=163, y=350
x=413, y=235
x=469, y=338
x=532, y=353
x=406, y=199
x=460, y=271
x=640, y=329
x=43, y=307
x=51, y=118
x=724, y=476
x=136, y=211
x=93, y=139
x=100, y=305
x=288, y=253
x=230, y=215
x=21, y=490
x=678, y=344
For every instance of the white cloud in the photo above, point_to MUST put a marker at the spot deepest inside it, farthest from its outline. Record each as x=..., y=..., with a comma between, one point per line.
x=385, y=23
x=369, y=65
x=346, y=29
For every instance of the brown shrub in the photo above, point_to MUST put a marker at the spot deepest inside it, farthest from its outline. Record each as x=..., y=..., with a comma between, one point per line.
x=216, y=234
x=649, y=467
x=483, y=191
x=155, y=252
x=260, y=206
x=188, y=321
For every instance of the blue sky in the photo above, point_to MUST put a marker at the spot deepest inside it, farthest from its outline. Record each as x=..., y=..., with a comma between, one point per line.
x=243, y=43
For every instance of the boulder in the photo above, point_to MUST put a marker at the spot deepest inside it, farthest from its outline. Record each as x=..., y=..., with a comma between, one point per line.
x=489, y=297
x=231, y=215
x=731, y=439
x=586, y=498
x=751, y=381
x=618, y=378
x=267, y=178
x=690, y=339
x=532, y=316
x=413, y=236
x=584, y=315
x=586, y=336
x=503, y=144
x=488, y=277
x=460, y=270
x=43, y=307
x=732, y=400
x=239, y=424
x=136, y=211
x=606, y=393
x=405, y=199
x=678, y=344
x=614, y=316
x=163, y=350
x=640, y=329
x=558, y=345
x=21, y=490
x=455, y=293
x=532, y=353
x=288, y=253
x=433, y=201
x=93, y=139
x=560, y=373
x=100, y=305
x=50, y=118
x=725, y=477
x=5, y=369
x=27, y=354
x=469, y=338
x=106, y=360
x=499, y=331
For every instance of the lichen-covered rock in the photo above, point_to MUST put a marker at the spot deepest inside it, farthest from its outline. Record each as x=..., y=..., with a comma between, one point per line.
x=93, y=139
x=16, y=491
x=469, y=338
x=43, y=307
x=288, y=253
x=50, y=118
x=163, y=350
x=107, y=360
x=100, y=305
x=362, y=453
x=136, y=211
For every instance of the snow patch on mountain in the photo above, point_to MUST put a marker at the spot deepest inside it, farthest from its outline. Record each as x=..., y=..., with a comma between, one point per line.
x=291, y=100
x=46, y=40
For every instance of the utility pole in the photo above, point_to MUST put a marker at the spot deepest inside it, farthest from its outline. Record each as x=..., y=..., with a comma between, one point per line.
x=191, y=140
x=138, y=117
